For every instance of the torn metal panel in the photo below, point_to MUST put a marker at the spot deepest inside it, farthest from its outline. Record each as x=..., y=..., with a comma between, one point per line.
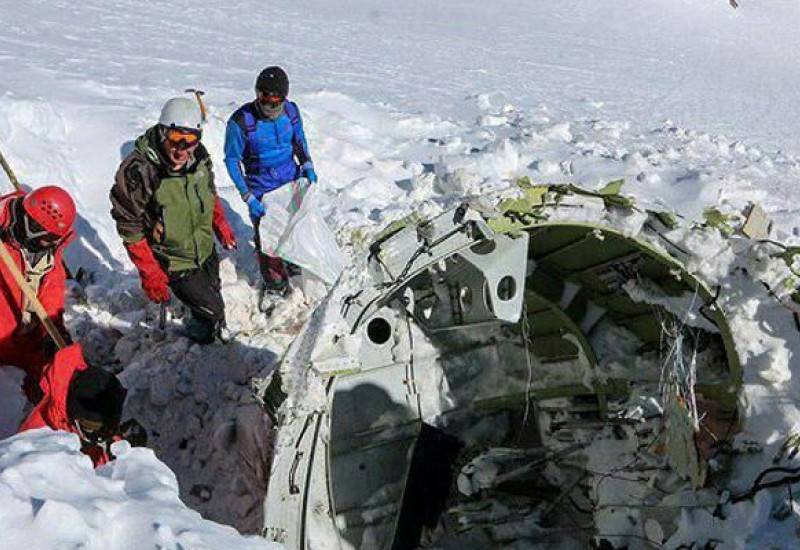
x=535, y=327
x=504, y=268
x=415, y=247
x=757, y=224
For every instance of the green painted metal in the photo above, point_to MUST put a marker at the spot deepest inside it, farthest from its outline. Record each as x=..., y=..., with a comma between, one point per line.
x=571, y=253
x=717, y=219
x=569, y=256
x=613, y=388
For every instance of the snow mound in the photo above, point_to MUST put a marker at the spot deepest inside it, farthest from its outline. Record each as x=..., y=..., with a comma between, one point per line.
x=51, y=497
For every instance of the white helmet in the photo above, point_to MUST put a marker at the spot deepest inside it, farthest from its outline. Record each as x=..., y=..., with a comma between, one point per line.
x=181, y=112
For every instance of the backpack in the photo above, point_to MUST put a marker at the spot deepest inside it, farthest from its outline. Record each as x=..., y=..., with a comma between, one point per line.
x=291, y=110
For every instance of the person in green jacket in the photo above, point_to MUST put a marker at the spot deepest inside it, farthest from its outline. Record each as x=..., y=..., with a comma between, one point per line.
x=166, y=208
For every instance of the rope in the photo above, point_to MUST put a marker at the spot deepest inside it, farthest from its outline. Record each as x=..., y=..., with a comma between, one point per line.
x=525, y=331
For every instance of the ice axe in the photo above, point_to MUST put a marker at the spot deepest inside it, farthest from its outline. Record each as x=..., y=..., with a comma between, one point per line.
x=162, y=317
x=198, y=94
x=160, y=332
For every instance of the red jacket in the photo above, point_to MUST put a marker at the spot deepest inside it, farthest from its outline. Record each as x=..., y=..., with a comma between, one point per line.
x=17, y=347
x=52, y=409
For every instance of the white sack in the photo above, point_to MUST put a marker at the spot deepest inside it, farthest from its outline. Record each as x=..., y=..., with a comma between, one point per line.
x=294, y=229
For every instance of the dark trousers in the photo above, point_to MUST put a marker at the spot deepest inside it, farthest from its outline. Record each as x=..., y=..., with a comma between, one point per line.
x=199, y=290
x=272, y=267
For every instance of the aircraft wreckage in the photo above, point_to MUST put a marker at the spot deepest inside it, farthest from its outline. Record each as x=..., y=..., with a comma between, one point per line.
x=552, y=368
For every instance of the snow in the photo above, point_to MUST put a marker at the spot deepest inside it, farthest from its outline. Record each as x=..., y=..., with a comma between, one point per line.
x=409, y=107
x=52, y=497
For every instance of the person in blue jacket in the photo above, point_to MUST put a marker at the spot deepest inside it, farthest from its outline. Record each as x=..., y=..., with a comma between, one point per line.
x=265, y=148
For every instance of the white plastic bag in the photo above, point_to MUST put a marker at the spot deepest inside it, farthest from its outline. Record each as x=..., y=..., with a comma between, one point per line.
x=294, y=229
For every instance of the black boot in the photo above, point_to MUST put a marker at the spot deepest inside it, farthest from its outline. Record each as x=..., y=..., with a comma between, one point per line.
x=277, y=287
x=200, y=329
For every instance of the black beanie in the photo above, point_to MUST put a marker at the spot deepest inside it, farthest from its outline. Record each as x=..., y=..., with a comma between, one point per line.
x=273, y=80
x=95, y=394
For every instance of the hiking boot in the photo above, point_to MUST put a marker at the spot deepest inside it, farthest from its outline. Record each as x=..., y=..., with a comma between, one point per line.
x=199, y=330
x=292, y=270
x=272, y=293
x=276, y=287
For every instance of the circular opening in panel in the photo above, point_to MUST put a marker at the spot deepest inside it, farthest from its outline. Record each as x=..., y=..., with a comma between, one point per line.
x=506, y=288
x=379, y=331
x=483, y=247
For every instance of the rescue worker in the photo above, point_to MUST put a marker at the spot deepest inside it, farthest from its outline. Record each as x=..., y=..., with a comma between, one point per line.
x=79, y=399
x=265, y=137
x=167, y=211
x=35, y=227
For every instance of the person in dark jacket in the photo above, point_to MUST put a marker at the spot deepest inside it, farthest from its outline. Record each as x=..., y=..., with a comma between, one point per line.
x=79, y=399
x=265, y=148
x=167, y=211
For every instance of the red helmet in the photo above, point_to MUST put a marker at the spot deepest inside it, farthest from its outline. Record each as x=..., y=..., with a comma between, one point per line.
x=52, y=208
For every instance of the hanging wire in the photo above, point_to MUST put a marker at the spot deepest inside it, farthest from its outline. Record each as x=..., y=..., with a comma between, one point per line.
x=678, y=378
x=525, y=342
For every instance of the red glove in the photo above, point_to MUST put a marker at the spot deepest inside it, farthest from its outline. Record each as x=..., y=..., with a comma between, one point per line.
x=155, y=282
x=222, y=228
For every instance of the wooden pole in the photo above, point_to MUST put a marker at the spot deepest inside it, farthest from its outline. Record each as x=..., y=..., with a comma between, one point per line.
x=51, y=329
x=9, y=172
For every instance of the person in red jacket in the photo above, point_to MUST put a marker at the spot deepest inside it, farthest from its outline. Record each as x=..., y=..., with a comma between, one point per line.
x=79, y=399
x=35, y=227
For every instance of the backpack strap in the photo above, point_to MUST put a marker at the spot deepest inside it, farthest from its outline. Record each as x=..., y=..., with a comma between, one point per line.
x=251, y=151
x=290, y=108
x=299, y=146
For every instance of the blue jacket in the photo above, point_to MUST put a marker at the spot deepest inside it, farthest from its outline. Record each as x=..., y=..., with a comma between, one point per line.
x=271, y=151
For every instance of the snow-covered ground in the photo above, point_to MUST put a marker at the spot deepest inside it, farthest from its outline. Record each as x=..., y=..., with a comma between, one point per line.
x=408, y=107
x=51, y=497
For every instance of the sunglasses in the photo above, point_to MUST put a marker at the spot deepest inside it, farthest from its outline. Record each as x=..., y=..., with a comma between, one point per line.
x=36, y=233
x=271, y=99
x=183, y=139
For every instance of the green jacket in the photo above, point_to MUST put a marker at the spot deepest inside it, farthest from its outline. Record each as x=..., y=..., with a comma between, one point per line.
x=172, y=210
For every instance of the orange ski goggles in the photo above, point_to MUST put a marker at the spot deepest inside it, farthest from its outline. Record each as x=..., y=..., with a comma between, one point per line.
x=182, y=139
